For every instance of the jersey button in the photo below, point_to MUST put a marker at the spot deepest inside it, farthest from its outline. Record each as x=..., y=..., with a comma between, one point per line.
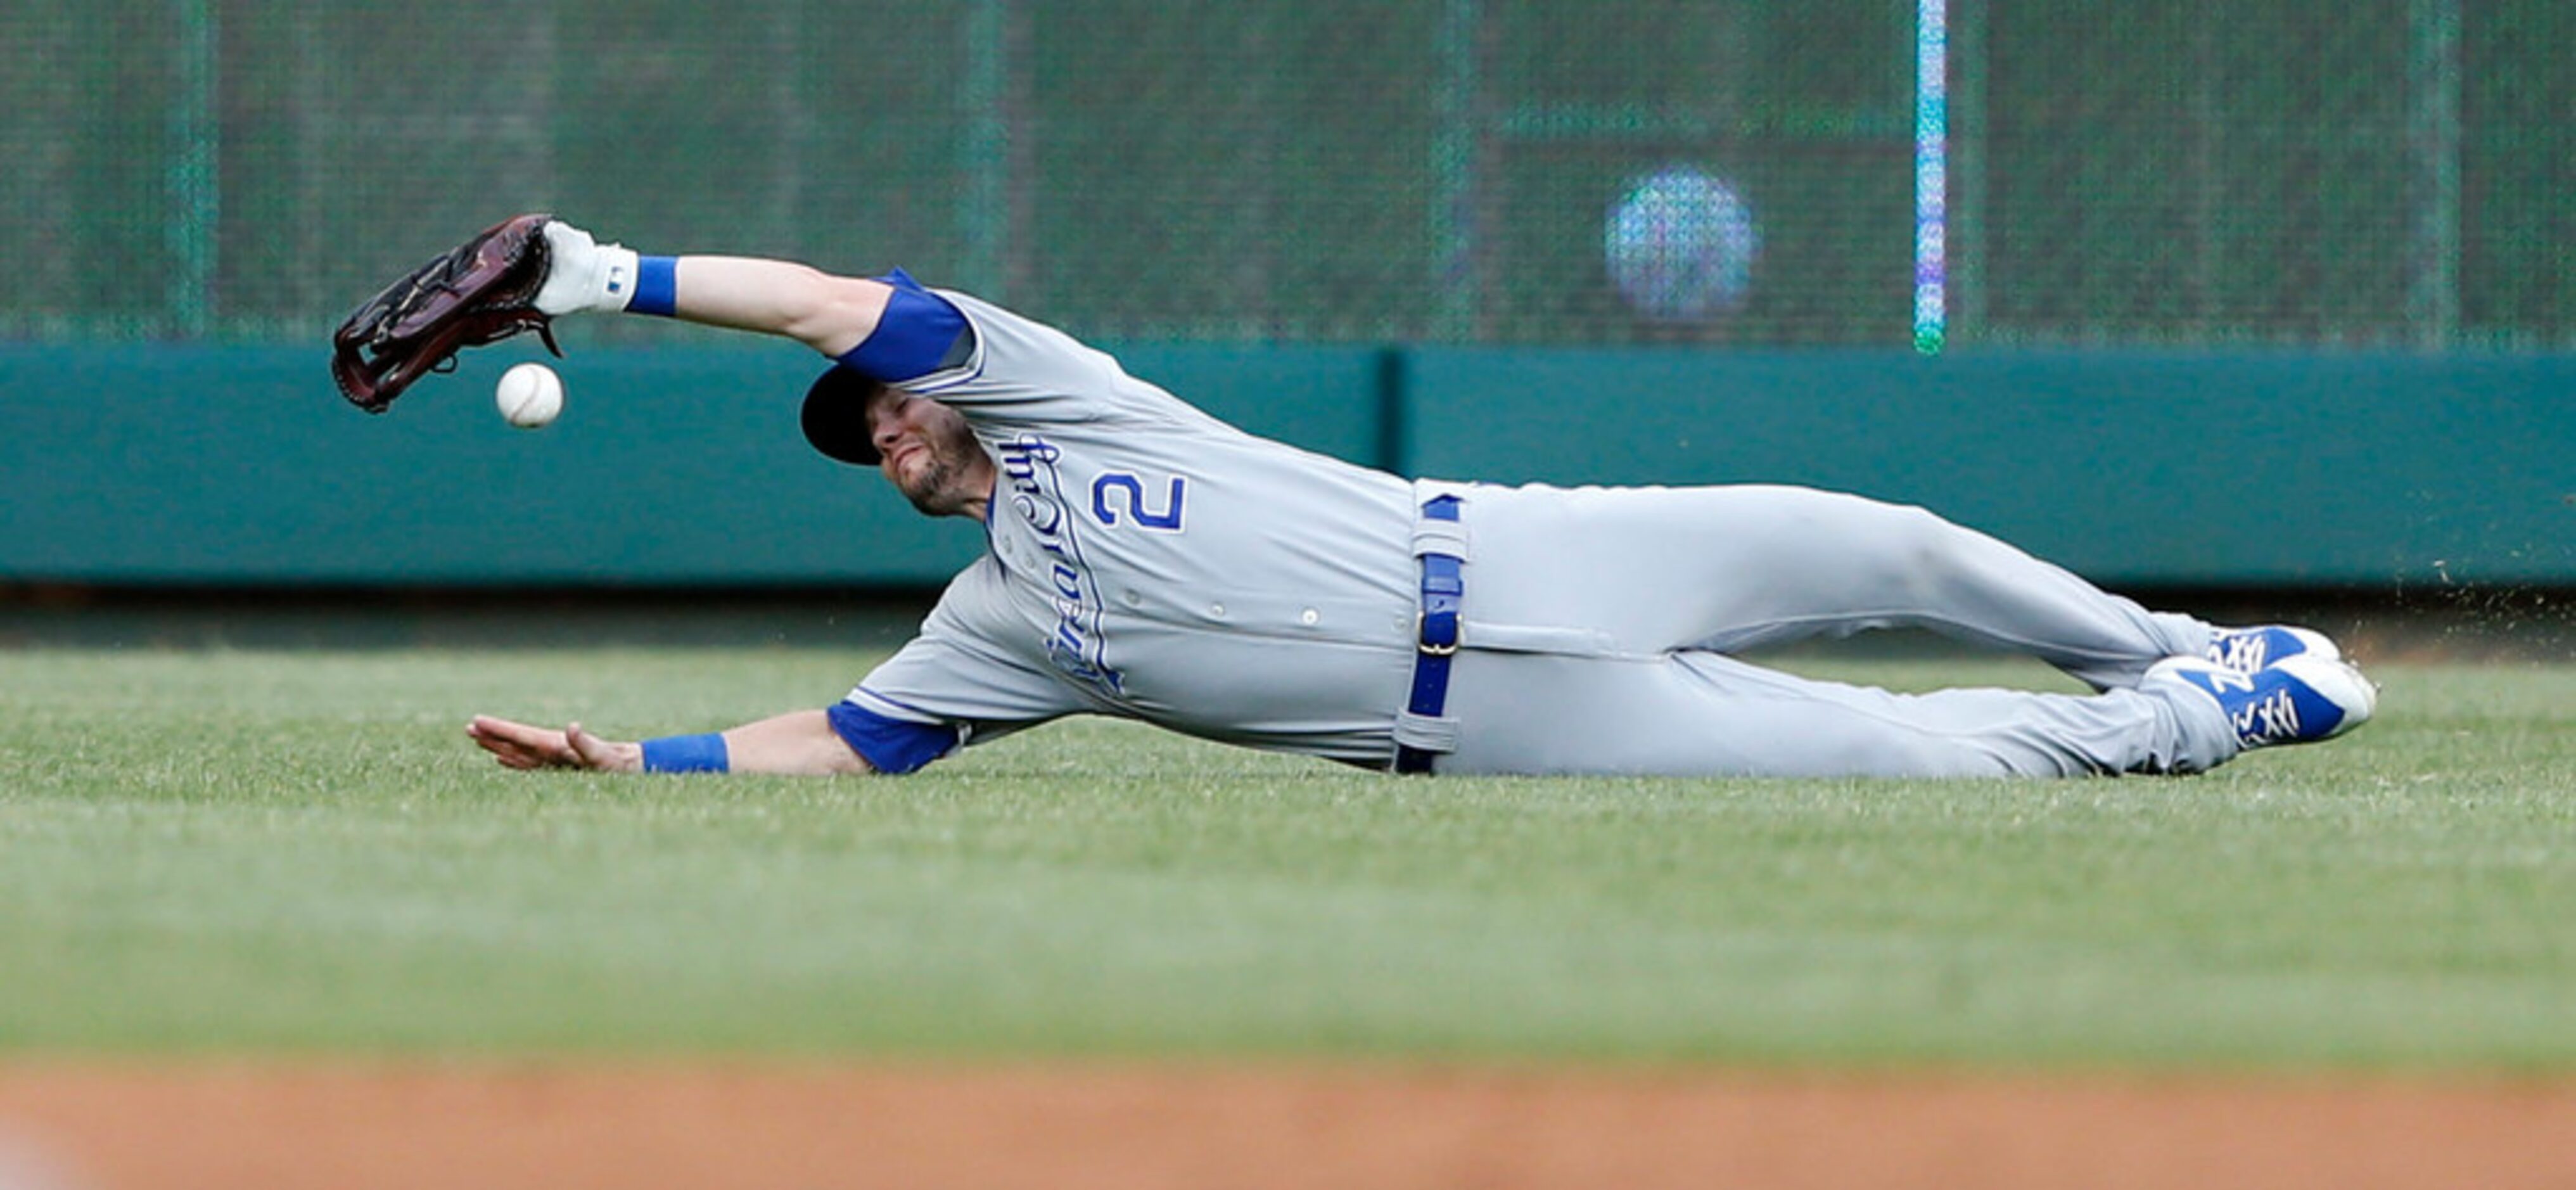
x=1217, y=610
x=1310, y=617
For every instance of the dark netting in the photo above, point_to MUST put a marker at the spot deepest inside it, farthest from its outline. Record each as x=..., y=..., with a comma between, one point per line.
x=2385, y=172
x=2376, y=172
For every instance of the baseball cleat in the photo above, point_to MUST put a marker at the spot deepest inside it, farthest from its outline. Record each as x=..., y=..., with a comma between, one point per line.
x=2298, y=700
x=2248, y=649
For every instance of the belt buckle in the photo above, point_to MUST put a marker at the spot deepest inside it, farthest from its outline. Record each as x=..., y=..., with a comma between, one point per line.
x=1426, y=648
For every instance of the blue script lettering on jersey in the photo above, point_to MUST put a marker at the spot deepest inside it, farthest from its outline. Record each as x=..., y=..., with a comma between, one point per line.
x=1168, y=520
x=1037, y=495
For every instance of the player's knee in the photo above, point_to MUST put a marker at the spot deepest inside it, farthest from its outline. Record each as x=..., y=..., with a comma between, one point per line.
x=1914, y=546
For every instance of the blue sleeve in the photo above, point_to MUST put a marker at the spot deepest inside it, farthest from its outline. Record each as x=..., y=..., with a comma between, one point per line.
x=889, y=745
x=919, y=333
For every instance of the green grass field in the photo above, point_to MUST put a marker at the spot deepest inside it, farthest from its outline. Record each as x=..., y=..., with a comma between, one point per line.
x=213, y=851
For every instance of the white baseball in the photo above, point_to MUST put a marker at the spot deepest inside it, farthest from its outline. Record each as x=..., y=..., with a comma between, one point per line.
x=530, y=395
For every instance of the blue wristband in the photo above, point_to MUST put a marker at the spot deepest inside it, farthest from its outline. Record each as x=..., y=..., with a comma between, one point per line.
x=687, y=754
x=657, y=286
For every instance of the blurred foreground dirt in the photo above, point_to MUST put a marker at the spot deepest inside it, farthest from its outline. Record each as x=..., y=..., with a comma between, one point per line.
x=67, y=1125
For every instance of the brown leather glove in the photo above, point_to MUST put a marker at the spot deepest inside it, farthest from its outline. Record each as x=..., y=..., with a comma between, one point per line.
x=481, y=291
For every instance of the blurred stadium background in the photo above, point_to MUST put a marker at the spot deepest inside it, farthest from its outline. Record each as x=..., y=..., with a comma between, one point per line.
x=2260, y=294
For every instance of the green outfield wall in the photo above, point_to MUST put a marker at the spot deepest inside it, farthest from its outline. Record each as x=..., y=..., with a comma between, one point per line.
x=2287, y=468
x=684, y=467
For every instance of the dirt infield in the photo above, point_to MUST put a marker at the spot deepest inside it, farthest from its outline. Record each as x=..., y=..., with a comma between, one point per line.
x=87, y=1126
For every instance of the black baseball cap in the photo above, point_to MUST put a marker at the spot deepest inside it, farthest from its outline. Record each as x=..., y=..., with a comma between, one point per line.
x=836, y=415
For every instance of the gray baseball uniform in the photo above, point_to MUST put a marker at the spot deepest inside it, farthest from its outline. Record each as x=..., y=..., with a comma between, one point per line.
x=1148, y=561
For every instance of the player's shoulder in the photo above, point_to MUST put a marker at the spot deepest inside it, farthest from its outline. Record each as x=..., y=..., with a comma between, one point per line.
x=1015, y=352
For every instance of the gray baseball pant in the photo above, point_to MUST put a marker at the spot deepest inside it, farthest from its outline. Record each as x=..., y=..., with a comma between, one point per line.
x=1599, y=623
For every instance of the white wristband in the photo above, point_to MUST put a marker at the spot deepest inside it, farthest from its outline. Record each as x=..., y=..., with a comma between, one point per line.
x=585, y=275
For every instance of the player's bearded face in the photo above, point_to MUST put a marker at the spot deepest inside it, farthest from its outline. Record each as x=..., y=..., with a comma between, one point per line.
x=929, y=454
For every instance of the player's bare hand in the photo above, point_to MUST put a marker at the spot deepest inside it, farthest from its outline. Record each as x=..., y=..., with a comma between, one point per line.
x=522, y=746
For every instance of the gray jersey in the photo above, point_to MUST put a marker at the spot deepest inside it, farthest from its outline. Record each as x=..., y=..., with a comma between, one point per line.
x=1146, y=560
x=1149, y=561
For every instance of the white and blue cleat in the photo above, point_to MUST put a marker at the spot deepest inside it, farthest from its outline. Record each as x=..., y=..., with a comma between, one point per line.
x=2298, y=699
x=2246, y=650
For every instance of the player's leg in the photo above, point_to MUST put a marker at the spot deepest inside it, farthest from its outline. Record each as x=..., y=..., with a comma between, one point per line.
x=1737, y=567
x=1703, y=714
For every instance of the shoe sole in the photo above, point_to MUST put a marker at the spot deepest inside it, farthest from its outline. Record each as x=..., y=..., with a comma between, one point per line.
x=2340, y=682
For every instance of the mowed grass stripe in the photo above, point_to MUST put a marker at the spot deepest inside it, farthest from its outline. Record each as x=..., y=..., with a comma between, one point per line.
x=226, y=851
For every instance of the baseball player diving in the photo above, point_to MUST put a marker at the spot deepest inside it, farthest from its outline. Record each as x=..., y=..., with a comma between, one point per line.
x=1145, y=560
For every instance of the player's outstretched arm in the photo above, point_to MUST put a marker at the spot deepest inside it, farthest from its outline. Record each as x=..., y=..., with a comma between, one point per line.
x=828, y=313
x=800, y=743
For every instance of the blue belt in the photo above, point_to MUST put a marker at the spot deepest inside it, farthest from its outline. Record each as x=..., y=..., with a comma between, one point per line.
x=1436, y=638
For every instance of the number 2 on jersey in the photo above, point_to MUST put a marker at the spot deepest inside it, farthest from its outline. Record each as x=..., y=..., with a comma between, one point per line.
x=1167, y=520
